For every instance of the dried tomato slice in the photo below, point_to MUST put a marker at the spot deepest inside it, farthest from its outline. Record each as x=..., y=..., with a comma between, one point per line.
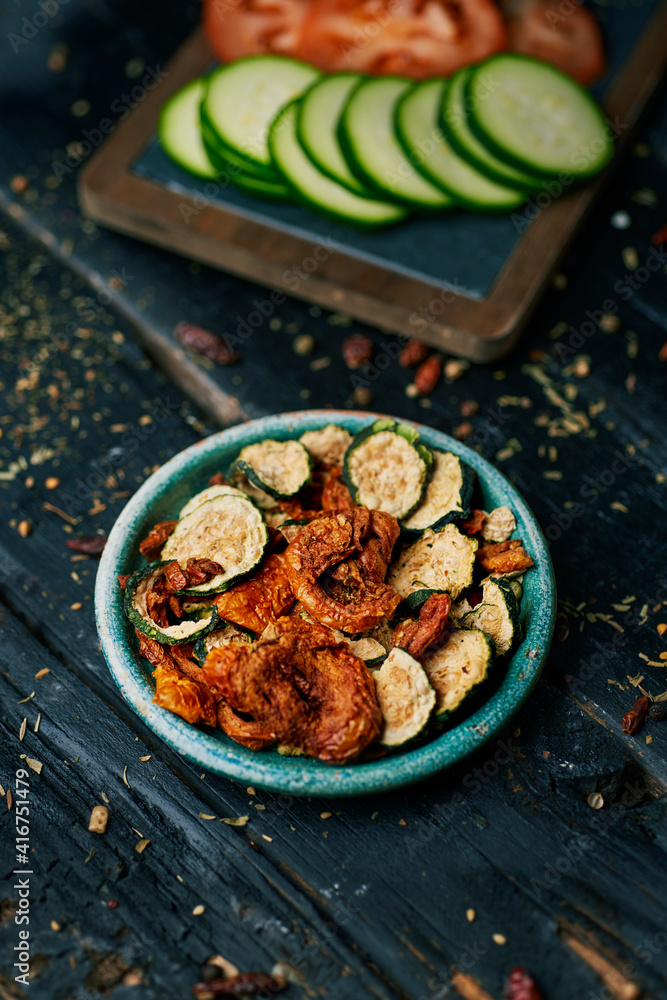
x=244, y=730
x=504, y=557
x=352, y=596
x=151, y=546
x=302, y=685
x=416, y=636
x=256, y=602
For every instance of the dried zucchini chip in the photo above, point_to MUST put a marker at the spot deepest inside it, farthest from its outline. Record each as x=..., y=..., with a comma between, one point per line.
x=279, y=468
x=208, y=494
x=447, y=494
x=328, y=445
x=386, y=468
x=497, y=615
x=367, y=649
x=137, y=589
x=439, y=560
x=457, y=666
x=229, y=530
x=405, y=696
x=220, y=637
x=498, y=525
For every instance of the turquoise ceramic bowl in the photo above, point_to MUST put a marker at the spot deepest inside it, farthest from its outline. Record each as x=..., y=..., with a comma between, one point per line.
x=161, y=497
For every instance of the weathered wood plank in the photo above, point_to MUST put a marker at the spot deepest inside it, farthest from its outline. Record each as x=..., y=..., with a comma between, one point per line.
x=90, y=756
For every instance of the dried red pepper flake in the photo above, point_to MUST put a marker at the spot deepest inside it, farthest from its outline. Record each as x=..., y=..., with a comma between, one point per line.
x=89, y=545
x=205, y=342
x=357, y=350
x=412, y=354
x=151, y=547
x=633, y=719
x=428, y=375
x=521, y=986
x=122, y=580
x=662, y=353
x=659, y=238
x=246, y=984
x=217, y=479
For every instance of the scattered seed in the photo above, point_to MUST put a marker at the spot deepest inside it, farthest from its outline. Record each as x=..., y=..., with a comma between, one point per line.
x=10, y=799
x=52, y=483
x=630, y=258
x=595, y=800
x=198, y=910
x=463, y=431
x=470, y=915
x=99, y=818
x=411, y=390
x=125, y=776
x=270, y=839
x=144, y=759
x=206, y=816
x=23, y=700
x=500, y=939
x=362, y=396
x=112, y=904
x=55, y=926
x=24, y=528
x=39, y=719
x=141, y=846
x=42, y=673
x=235, y=820
x=609, y=323
x=91, y=855
x=304, y=344
x=23, y=729
x=76, y=606
x=19, y=183
x=326, y=815
x=453, y=370
x=620, y=220
x=662, y=628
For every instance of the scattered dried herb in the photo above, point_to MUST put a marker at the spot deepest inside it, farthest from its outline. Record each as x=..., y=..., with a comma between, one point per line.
x=521, y=986
x=246, y=984
x=357, y=350
x=633, y=719
x=205, y=342
x=88, y=545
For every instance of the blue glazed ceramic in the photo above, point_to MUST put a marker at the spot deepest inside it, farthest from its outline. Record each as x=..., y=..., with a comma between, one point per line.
x=161, y=497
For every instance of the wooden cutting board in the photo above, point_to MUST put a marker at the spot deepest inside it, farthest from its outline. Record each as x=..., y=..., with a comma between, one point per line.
x=463, y=282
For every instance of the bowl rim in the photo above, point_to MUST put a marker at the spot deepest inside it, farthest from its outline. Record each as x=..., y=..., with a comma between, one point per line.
x=297, y=775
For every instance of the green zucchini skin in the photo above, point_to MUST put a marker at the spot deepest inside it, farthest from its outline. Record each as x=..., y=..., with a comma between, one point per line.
x=148, y=627
x=402, y=430
x=465, y=498
x=415, y=600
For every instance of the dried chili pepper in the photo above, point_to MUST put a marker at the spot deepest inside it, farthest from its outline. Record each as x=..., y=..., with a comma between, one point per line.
x=246, y=984
x=521, y=986
x=633, y=719
x=412, y=354
x=122, y=580
x=357, y=350
x=206, y=343
x=151, y=547
x=428, y=375
x=217, y=479
x=88, y=545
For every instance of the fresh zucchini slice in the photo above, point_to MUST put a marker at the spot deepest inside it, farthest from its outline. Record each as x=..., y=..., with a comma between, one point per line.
x=228, y=529
x=316, y=189
x=405, y=696
x=228, y=161
x=455, y=667
x=187, y=630
x=454, y=121
x=537, y=118
x=417, y=127
x=447, y=494
x=328, y=445
x=261, y=188
x=244, y=97
x=179, y=131
x=497, y=615
x=208, y=494
x=279, y=468
x=440, y=560
x=373, y=150
x=319, y=113
x=386, y=468
x=226, y=636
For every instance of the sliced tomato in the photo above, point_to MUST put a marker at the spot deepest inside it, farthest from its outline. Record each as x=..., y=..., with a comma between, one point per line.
x=565, y=35
x=412, y=38
x=237, y=28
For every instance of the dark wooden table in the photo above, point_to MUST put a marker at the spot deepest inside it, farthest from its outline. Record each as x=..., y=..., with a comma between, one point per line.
x=356, y=898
